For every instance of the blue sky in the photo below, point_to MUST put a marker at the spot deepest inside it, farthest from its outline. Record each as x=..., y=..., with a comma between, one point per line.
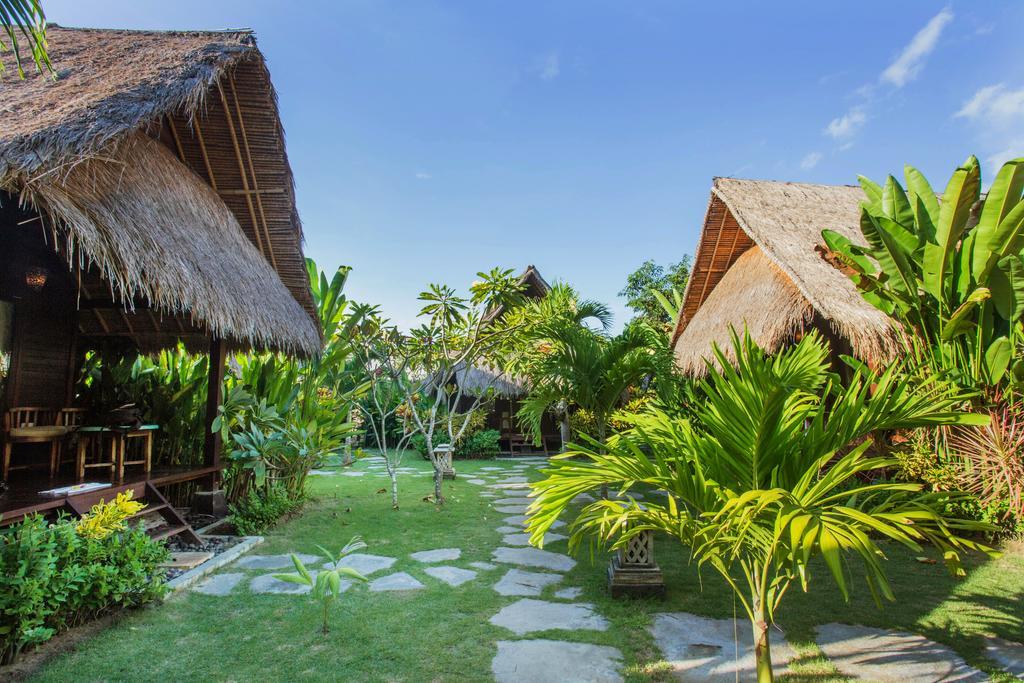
x=434, y=139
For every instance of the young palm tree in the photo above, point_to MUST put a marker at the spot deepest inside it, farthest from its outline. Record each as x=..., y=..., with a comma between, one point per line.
x=770, y=469
x=582, y=368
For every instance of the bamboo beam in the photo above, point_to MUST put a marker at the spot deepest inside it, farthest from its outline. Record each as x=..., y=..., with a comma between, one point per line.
x=177, y=139
x=252, y=171
x=215, y=380
x=206, y=157
x=241, y=170
x=714, y=251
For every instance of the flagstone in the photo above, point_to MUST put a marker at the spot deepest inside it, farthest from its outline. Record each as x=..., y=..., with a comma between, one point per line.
x=570, y=593
x=529, y=615
x=483, y=566
x=438, y=555
x=704, y=649
x=524, y=538
x=219, y=584
x=880, y=655
x=366, y=564
x=522, y=582
x=520, y=520
x=554, y=661
x=534, y=557
x=399, y=581
x=453, y=576
x=275, y=561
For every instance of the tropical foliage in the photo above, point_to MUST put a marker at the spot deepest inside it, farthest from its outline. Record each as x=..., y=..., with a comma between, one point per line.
x=23, y=24
x=327, y=586
x=651, y=286
x=951, y=272
x=774, y=466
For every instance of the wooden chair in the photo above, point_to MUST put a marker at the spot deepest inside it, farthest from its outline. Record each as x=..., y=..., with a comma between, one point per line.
x=71, y=419
x=32, y=425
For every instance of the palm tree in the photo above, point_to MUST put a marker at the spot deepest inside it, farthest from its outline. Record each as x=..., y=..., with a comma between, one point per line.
x=24, y=17
x=771, y=469
x=579, y=367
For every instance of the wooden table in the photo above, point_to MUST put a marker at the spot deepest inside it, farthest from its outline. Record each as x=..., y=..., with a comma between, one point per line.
x=118, y=448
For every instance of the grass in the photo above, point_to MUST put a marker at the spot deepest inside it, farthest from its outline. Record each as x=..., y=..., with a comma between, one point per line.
x=442, y=633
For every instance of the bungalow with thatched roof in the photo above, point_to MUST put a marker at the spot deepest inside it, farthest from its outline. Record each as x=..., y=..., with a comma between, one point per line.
x=508, y=391
x=759, y=263
x=146, y=197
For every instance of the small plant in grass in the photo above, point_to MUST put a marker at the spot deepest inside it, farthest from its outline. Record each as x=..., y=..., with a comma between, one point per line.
x=326, y=585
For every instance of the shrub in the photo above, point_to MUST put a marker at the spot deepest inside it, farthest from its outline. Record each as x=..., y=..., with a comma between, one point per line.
x=260, y=509
x=53, y=577
x=482, y=444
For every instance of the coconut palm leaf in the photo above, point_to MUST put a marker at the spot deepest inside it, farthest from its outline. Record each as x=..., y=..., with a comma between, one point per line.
x=23, y=25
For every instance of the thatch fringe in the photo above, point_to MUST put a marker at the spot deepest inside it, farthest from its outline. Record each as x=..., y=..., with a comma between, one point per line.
x=784, y=220
x=160, y=233
x=754, y=294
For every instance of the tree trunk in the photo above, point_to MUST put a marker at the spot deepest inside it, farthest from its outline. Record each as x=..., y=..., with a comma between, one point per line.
x=566, y=433
x=762, y=649
x=438, y=498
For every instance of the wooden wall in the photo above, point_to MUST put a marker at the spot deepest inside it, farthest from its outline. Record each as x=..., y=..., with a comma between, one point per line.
x=44, y=320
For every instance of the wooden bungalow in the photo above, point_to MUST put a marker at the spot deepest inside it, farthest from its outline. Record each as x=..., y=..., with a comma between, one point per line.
x=145, y=197
x=760, y=263
x=509, y=391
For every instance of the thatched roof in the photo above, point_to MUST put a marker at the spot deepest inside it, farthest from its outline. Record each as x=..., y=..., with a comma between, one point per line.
x=161, y=156
x=479, y=380
x=783, y=222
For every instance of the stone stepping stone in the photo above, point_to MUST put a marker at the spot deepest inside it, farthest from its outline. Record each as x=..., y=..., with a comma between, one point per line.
x=528, y=615
x=352, y=474
x=219, y=584
x=514, y=480
x=483, y=566
x=438, y=555
x=1009, y=655
x=366, y=564
x=492, y=469
x=512, y=509
x=880, y=655
x=534, y=557
x=555, y=661
x=514, y=500
x=524, y=539
x=506, y=529
x=275, y=561
x=521, y=582
x=703, y=649
x=323, y=473
x=520, y=521
x=476, y=481
x=509, y=487
x=453, y=576
x=569, y=593
x=268, y=584
x=400, y=581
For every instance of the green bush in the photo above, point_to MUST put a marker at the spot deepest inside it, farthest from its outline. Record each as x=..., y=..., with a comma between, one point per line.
x=53, y=578
x=483, y=444
x=262, y=508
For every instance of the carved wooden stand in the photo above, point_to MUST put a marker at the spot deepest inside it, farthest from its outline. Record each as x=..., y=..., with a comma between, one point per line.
x=443, y=459
x=633, y=571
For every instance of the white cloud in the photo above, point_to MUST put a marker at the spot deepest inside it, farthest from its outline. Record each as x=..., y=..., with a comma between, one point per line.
x=846, y=125
x=810, y=161
x=549, y=67
x=995, y=105
x=1013, y=151
x=910, y=61
x=423, y=175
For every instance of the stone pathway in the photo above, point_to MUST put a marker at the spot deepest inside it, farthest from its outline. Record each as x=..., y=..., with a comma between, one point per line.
x=438, y=555
x=522, y=582
x=399, y=581
x=703, y=649
x=552, y=661
x=879, y=655
x=529, y=615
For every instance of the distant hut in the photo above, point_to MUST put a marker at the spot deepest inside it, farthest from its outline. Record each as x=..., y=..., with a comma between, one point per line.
x=760, y=263
x=145, y=199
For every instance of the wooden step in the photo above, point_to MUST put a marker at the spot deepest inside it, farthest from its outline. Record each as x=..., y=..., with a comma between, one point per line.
x=167, y=531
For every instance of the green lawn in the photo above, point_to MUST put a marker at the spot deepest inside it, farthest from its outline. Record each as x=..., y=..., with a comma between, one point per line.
x=442, y=633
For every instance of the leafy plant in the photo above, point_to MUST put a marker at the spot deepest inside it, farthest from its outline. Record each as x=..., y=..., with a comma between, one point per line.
x=261, y=508
x=24, y=17
x=328, y=584
x=994, y=459
x=481, y=444
x=950, y=271
x=771, y=469
x=53, y=577
x=107, y=518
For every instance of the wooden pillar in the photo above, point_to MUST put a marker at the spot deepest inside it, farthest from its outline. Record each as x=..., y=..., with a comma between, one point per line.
x=215, y=379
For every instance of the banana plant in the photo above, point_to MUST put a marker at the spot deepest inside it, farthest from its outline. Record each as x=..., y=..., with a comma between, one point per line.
x=328, y=583
x=949, y=270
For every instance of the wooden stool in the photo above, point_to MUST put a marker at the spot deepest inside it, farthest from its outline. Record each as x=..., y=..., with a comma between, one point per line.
x=71, y=419
x=144, y=432
x=91, y=452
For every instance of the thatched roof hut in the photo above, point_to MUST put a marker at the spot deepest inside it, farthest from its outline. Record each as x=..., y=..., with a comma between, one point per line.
x=759, y=263
x=156, y=160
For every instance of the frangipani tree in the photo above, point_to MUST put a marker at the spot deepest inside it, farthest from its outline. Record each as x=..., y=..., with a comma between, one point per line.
x=773, y=468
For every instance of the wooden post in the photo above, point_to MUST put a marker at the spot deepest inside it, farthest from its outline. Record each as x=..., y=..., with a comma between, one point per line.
x=215, y=379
